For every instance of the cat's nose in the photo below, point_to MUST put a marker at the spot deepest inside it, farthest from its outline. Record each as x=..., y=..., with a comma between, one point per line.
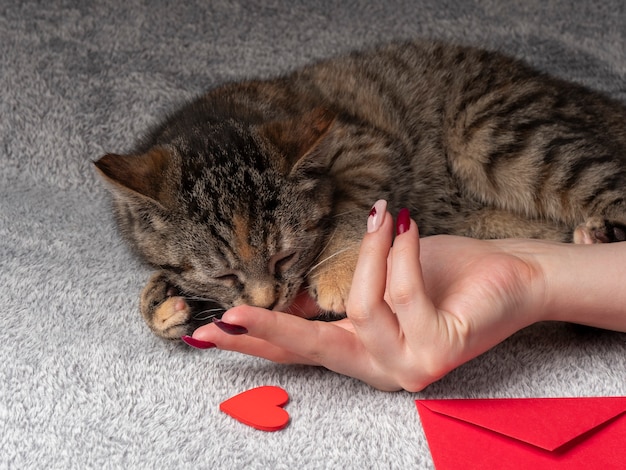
x=263, y=296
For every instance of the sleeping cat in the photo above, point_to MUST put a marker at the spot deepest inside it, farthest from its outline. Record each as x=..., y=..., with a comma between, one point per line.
x=259, y=189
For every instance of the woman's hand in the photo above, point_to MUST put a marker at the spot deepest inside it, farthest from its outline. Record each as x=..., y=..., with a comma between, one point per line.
x=414, y=312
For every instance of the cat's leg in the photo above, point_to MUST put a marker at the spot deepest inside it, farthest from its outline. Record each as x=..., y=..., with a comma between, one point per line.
x=495, y=223
x=491, y=223
x=331, y=276
x=163, y=309
x=171, y=314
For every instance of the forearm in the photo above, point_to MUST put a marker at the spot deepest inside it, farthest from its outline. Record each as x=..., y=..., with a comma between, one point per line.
x=585, y=284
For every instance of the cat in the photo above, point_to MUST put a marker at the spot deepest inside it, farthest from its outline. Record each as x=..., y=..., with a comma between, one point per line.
x=259, y=189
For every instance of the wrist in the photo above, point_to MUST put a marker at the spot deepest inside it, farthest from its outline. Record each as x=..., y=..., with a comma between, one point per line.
x=536, y=273
x=581, y=284
x=550, y=281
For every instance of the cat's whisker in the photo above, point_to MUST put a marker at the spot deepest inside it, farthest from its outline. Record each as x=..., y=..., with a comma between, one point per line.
x=298, y=308
x=353, y=211
x=330, y=239
x=208, y=314
x=327, y=259
x=198, y=298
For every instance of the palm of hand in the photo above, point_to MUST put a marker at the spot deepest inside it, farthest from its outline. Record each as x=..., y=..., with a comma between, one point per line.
x=481, y=293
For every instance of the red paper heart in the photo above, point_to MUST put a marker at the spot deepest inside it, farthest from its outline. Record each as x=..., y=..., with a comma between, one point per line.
x=259, y=407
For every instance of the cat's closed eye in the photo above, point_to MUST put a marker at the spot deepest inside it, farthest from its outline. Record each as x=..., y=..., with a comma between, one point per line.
x=230, y=279
x=281, y=262
x=177, y=269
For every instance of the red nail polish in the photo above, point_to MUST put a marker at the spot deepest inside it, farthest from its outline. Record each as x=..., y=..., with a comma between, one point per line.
x=403, y=222
x=230, y=329
x=197, y=343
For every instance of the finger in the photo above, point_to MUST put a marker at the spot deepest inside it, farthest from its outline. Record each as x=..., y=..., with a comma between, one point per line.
x=374, y=322
x=286, y=338
x=406, y=290
x=249, y=345
x=333, y=345
x=369, y=279
x=405, y=273
x=282, y=336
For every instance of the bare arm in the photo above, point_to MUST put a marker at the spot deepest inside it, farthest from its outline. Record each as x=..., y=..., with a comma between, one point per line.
x=585, y=283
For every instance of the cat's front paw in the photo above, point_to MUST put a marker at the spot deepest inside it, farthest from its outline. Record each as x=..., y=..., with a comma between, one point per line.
x=329, y=295
x=163, y=309
x=170, y=313
x=330, y=284
x=598, y=230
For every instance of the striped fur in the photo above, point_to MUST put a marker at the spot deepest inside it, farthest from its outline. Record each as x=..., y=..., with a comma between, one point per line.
x=260, y=188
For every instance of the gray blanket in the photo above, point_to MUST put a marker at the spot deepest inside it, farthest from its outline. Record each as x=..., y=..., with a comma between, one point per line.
x=83, y=383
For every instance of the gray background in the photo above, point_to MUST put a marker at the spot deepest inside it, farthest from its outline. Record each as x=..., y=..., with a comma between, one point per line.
x=83, y=384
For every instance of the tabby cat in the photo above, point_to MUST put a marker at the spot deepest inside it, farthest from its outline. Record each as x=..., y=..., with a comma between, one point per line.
x=259, y=189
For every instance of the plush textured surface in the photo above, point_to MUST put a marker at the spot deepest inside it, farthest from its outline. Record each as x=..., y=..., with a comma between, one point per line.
x=83, y=383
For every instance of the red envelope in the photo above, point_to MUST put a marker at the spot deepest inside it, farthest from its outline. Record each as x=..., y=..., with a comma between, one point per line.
x=526, y=433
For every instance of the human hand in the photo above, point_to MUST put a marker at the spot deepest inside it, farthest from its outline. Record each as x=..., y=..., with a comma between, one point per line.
x=416, y=310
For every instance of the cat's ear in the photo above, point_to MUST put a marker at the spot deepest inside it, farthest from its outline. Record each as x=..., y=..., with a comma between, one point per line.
x=137, y=175
x=297, y=137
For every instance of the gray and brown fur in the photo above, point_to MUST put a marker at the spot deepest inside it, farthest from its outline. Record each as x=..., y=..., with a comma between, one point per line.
x=260, y=188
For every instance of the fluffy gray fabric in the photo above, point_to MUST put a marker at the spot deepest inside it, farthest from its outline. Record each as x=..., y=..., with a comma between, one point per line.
x=83, y=383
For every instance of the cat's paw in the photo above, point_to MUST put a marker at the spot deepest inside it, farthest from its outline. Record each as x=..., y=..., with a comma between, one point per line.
x=597, y=230
x=330, y=296
x=163, y=308
x=330, y=287
x=170, y=313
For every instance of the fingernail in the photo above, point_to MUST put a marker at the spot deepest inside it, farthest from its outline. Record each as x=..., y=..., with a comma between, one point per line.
x=197, y=343
x=230, y=329
x=377, y=214
x=403, y=222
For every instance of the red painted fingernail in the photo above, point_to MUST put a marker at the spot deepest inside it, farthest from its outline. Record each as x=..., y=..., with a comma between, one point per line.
x=230, y=329
x=403, y=222
x=197, y=343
